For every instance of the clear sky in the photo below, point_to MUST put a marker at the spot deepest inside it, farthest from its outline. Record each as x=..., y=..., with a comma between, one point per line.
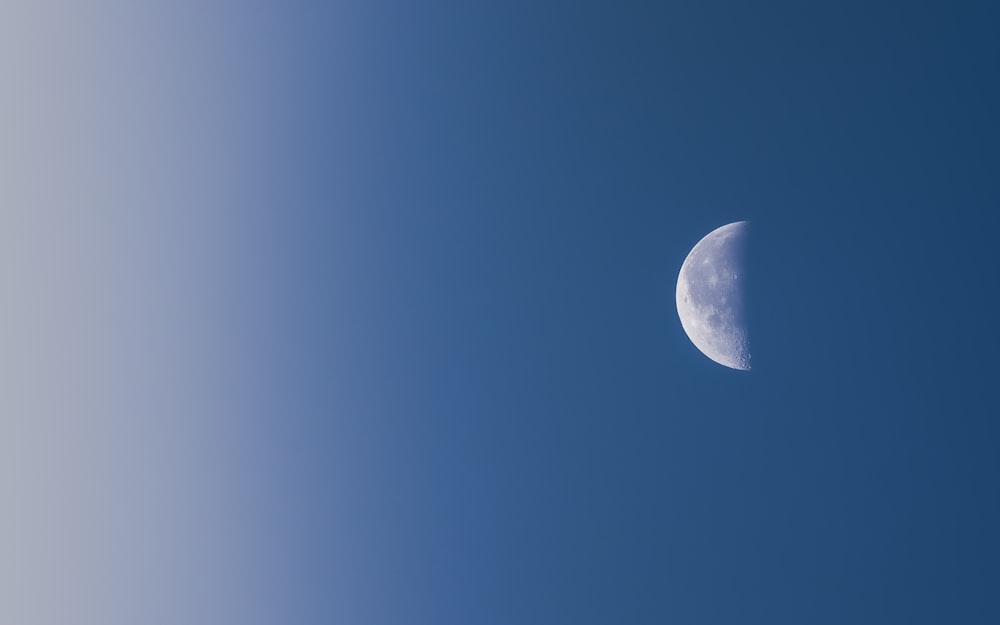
x=363, y=313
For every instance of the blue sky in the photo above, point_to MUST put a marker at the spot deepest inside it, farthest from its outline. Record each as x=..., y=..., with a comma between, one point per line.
x=363, y=313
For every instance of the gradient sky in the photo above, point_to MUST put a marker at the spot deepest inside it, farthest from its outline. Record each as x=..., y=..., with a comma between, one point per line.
x=363, y=313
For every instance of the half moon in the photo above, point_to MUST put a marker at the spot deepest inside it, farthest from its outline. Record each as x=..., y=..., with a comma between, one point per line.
x=710, y=296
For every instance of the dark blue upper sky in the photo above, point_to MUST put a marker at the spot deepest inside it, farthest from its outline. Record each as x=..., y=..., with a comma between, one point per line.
x=493, y=413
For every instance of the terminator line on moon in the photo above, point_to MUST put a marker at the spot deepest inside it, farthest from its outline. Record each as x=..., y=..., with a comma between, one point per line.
x=710, y=296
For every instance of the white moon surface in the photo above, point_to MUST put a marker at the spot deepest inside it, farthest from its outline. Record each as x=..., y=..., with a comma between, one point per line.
x=710, y=296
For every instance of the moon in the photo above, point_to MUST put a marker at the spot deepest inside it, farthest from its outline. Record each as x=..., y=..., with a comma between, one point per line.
x=710, y=296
